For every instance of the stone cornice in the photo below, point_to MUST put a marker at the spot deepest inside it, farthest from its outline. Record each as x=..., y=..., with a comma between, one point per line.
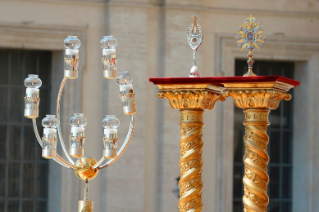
x=37, y=36
x=197, y=7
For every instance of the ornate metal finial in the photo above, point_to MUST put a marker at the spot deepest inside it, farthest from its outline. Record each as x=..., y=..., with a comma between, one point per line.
x=250, y=35
x=194, y=40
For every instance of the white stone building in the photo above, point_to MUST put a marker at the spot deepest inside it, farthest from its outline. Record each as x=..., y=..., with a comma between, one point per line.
x=151, y=37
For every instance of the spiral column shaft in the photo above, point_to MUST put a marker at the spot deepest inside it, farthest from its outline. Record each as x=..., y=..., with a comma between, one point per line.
x=191, y=164
x=256, y=159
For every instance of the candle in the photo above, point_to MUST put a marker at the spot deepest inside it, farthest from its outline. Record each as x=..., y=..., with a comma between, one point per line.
x=126, y=87
x=71, y=51
x=77, y=129
x=110, y=131
x=32, y=91
x=108, y=51
x=49, y=131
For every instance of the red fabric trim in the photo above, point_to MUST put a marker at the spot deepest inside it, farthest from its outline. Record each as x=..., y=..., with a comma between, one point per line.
x=221, y=80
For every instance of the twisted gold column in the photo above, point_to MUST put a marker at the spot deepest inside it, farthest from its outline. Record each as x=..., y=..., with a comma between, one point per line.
x=256, y=160
x=191, y=164
x=257, y=104
x=191, y=103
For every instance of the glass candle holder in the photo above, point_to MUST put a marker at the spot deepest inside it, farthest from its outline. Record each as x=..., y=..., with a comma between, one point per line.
x=49, y=139
x=110, y=124
x=71, y=58
x=32, y=97
x=77, y=137
x=108, y=45
x=127, y=96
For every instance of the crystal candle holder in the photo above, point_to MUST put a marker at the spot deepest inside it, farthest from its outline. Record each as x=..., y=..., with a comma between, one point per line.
x=110, y=123
x=71, y=58
x=108, y=44
x=32, y=97
x=127, y=96
x=77, y=137
x=49, y=139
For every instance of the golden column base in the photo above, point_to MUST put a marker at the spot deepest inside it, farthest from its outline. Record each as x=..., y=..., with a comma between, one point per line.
x=256, y=104
x=191, y=103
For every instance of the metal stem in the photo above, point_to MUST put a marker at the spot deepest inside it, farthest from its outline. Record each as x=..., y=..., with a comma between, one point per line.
x=36, y=132
x=86, y=191
x=194, y=57
x=57, y=159
x=124, y=145
x=58, y=117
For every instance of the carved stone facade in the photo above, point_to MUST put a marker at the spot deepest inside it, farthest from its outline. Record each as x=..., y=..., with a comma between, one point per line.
x=151, y=38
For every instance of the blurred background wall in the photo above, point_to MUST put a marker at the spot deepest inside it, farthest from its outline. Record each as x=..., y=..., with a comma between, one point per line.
x=151, y=37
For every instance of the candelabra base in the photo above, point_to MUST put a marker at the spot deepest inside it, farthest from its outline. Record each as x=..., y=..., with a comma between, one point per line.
x=85, y=206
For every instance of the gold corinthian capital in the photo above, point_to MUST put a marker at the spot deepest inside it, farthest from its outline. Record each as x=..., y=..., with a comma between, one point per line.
x=256, y=105
x=191, y=104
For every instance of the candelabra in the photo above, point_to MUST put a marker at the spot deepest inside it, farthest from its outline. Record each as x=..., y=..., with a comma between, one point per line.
x=86, y=168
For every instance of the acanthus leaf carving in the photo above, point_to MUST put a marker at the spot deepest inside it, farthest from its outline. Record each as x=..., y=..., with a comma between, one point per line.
x=258, y=98
x=191, y=99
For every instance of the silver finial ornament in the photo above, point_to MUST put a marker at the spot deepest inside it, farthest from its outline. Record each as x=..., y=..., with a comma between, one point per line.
x=194, y=40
